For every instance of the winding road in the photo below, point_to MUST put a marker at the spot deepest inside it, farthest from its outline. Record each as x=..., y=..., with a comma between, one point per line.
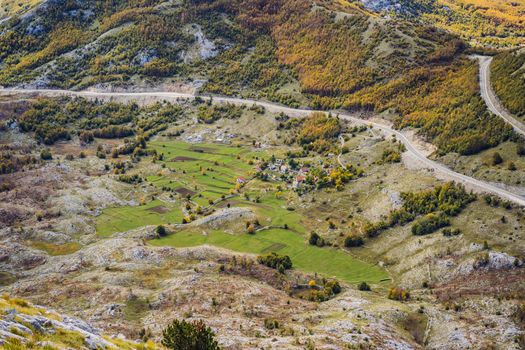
x=475, y=184
x=490, y=97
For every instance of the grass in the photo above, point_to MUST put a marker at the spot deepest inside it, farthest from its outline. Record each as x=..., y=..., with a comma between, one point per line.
x=135, y=309
x=56, y=249
x=210, y=171
x=191, y=172
x=326, y=261
x=63, y=338
x=121, y=219
x=6, y=278
x=12, y=7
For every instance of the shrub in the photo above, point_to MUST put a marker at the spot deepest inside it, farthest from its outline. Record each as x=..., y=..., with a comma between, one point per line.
x=333, y=286
x=314, y=237
x=363, y=286
x=398, y=294
x=430, y=223
x=275, y=261
x=271, y=323
x=520, y=150
x=391, y=156
x=451, y=232
x=130, y=179
x=182, y=335
x=511, y=166
x=496, y=158
x=354, y=241
x=161, y=230
x=46, y=154
x=316, y=240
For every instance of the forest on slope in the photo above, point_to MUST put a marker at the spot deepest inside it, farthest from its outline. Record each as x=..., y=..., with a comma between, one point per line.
x=508, y=80
x=339, y=56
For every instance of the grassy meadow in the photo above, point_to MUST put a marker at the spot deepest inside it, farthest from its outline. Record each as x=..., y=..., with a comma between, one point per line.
x=326, y=261
x=120, y=219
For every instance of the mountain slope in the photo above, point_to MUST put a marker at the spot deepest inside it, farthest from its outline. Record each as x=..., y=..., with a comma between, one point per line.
x=299, y=52
x=508, y=80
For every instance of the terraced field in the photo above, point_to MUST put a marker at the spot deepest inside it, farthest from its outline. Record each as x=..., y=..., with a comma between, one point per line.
x=204, y=171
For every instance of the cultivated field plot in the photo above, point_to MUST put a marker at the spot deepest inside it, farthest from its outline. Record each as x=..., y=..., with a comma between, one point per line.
x=121, y=219
x=204, y=171
x=329, y=262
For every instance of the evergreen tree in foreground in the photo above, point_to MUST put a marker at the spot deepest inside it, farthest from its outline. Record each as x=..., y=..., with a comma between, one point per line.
x=182, y=335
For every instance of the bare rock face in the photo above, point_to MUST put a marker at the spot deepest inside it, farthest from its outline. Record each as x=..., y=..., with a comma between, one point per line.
x=23, y=325
x=17, y=257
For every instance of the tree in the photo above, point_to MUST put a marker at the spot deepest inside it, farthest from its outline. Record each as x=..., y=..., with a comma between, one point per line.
x=183, y=335
x=161, y=230
x=275, y=261
x=46, y=155
x=353, y=241
x=314, y=237
x=511, y=166
x=520, y=150
x=363, y=286
x=496, y=158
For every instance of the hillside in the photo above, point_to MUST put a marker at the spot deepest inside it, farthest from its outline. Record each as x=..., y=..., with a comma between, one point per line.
x=28, y=326
x=81, y=213
x=10, y=8
x=508, y=76
x=319, y=55
x=261, y=174
x=482, y=23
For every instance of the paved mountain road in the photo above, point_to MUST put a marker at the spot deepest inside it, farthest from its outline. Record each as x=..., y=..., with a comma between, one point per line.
x=473, y=183
x=490, y=97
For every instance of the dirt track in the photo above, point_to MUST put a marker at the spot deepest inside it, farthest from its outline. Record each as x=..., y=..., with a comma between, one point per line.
x=148, y=97
x=490, y=97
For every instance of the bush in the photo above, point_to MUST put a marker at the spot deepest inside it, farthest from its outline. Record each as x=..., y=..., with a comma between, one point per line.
x=391, y=156
x=316, y=240
x=182, y=335
x=430, y=223
x=520, y=150
x=271, y=323
x=161, y=231
x=275, y=261
x=354, y=241
x=398, y=294
x=130, y=179
x=496, y=158
x=314, y=237
x=46, y=154
x=363, y=286
x=333, y=286
x=451, y=232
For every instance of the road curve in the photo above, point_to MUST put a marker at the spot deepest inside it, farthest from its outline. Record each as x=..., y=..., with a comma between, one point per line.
x=473, y=183
x=490, y=97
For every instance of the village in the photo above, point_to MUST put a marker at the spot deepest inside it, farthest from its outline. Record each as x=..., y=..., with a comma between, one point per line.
x=306, y=177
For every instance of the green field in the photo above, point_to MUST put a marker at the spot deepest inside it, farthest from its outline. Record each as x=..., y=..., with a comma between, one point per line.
x=126, y=218
x=185, y=161
x=329, y=262
x=208, y=170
